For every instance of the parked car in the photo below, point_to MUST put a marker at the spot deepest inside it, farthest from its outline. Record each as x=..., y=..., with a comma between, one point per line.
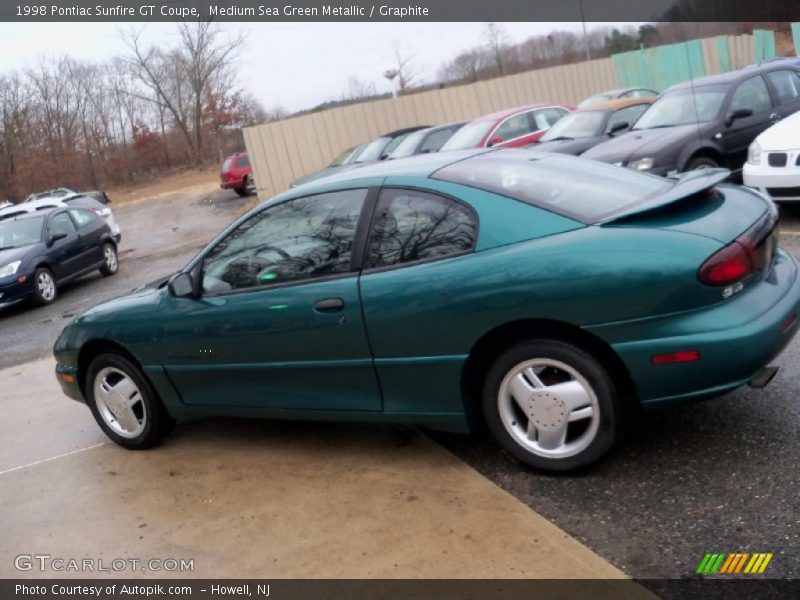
x=377, y=149
x=347, y=157
x=450, y=288
x=586, y=127
x=74, y=200
x=237, y=175
x=628, y=92
x=707, y=122
x=41, y=251
x=5, y=204
x=425, y=140
x=63, y=192
x=773, y=161
x=511, y=128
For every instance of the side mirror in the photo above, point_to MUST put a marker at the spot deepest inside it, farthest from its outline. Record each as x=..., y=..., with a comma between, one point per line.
x=618, y=127
x=494, y=140
x=739, y=113
x=181, y=285
x=55, y=237
x=383, y=156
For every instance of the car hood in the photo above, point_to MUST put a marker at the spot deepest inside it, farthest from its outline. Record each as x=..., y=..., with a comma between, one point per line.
x=641, y=143
x=574, y=147
x=784, y=135
x=14, y=254
x=142, y=302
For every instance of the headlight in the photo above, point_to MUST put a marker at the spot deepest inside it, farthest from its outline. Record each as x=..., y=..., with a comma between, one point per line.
x=10, y=268
x=643, y=164
x=754, y=154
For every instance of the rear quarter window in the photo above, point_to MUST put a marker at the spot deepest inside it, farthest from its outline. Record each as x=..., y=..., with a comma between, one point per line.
x=580, y=189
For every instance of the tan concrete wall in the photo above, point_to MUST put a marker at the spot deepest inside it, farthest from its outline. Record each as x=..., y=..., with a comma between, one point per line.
x=284, y=150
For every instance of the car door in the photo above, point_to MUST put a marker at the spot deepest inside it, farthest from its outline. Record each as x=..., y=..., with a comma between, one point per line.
x=410, y=271
x=512, y=131
x=278, y=322
x=785, y=85
x=751, y=94
x=629, y=115
x=64, y=252
x=90, y=235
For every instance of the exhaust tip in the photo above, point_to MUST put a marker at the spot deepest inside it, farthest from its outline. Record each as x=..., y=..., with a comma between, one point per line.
x=763, y=377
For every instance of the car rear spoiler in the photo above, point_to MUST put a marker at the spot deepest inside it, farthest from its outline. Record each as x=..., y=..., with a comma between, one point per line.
x=686, y=186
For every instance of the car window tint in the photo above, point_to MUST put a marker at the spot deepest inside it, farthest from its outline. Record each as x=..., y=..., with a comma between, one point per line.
x=294, y=240
x=61, y=223
x=514, y=127
x=787, y=84
x=546, y=118
x=411, y=225
x=435, y=140
x=83, y=217
x=627, y=115
x=242, y=161
x=751, y=94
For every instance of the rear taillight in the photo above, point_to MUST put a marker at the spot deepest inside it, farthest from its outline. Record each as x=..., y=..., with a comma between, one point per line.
x=748, y=254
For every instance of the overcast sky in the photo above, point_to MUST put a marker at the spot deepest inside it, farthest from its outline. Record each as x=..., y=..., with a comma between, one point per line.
x=293, y=65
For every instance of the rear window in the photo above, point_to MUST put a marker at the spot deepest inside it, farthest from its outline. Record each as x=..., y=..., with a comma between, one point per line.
x=242, y=162
x=584, y=190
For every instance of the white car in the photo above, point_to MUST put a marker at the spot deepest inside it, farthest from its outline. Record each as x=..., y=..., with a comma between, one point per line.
x=74, y=200
x=773, y=161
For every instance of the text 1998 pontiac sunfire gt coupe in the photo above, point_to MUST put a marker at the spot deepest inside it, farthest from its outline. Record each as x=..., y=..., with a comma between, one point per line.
x=540, y=294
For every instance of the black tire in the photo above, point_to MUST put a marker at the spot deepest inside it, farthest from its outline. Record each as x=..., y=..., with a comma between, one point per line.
x=701, y=162
x=599, y=430
x=242, y=191
x=250, y=185
x=155, y=421
x=110, y=266
x=42, y=297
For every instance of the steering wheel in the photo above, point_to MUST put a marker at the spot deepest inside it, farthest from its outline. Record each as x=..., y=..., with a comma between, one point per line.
x=279, y=251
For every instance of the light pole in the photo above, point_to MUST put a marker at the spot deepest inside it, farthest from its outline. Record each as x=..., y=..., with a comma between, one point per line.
x=391, y=73
x=585, y=37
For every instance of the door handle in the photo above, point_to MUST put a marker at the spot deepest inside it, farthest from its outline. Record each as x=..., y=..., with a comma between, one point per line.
x=329, y=305
x=775, y=117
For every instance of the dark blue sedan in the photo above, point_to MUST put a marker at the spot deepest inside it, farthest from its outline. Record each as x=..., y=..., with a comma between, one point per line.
x=41, y=251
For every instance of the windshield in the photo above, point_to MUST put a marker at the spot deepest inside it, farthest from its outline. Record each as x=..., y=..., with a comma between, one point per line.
x=342, y=158
x=684, y=107
x=593, y=99
x=581, y=189
x=469, y=136
x=15, y=234
x=577, y=125
x=373, y=150
x=409, y=144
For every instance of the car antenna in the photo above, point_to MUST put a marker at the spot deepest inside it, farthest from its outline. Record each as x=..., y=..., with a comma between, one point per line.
x=694, y=94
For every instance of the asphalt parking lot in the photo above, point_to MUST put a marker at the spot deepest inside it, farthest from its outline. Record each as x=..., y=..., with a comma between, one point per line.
x=714, y=476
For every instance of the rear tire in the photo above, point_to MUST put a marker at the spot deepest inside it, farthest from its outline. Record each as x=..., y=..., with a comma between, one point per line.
x=110, y=260
x=44, y=287
x=242, y=191
x=551, y=405
x=124, y=403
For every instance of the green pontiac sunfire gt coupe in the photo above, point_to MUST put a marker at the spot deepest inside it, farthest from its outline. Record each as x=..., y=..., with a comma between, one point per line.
x=542, y=295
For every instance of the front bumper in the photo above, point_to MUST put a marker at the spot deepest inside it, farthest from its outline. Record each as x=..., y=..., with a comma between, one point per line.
x=780, y=183
x=67, y=377
x=735, y=339
x=12, y=290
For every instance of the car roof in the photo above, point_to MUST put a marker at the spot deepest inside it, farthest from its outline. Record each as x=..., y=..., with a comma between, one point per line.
x=27, y=215
x=617, y=104
x=502, y=114
x=731, y=76
x=405, y=130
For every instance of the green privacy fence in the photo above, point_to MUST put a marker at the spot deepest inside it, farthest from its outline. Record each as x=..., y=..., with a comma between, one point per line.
x=796, y=36
x=663, y=66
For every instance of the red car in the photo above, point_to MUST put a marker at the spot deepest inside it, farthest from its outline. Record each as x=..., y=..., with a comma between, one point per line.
x=237, y=175
x=510, y=128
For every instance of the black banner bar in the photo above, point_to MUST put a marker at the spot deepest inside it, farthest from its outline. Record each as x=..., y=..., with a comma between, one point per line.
x=398, y=10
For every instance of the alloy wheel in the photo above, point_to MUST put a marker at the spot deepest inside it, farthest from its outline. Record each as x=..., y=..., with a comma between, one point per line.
x=120, y=402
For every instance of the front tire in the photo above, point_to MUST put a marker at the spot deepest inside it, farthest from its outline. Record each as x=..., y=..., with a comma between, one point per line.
x=551, y=405
x=110, y=260
x=701, y=162
x=124, y=403
x=44, y=287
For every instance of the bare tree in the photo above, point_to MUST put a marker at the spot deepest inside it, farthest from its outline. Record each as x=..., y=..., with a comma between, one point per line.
x=497, y=45
x=467, y=66
x=407, y=73
x=358, y=89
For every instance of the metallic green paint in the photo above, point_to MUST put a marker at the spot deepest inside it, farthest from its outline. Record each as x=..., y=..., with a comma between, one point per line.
x=397, y=351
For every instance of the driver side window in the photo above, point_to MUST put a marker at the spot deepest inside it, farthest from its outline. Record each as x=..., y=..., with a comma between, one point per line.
x=299, y=239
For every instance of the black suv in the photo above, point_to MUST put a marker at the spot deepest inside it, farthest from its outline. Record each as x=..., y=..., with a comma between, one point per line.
x=707, y=122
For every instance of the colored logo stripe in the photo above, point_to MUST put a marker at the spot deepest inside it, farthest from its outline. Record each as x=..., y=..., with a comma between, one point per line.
x=728, y=564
